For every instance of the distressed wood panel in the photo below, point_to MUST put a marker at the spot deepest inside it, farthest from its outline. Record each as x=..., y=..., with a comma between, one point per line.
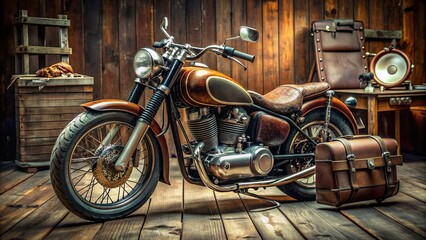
x=110, y=53
x=254, y=72
x=270, y=46
x=104, y=36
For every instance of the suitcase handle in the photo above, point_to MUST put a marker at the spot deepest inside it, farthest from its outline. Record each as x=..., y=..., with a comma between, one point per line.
x=344, y=22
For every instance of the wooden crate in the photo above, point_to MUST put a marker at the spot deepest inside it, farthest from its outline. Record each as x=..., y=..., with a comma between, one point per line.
x=44, y=106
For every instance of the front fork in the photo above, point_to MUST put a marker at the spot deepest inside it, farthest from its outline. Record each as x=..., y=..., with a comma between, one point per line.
x=134, y=97
x=148, y=115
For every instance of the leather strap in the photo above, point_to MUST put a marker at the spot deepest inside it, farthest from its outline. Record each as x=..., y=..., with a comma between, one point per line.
x=350, y=157
x=388, y=168
x=366, y=163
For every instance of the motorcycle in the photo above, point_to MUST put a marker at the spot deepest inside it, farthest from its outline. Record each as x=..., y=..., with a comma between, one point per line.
x=108, y=161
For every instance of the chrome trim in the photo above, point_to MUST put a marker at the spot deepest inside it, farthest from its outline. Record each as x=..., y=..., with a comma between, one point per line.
x=234, y=187
x=164, y=89
x=203, y=175
x=351, y=102
x=198, y=64
x=138, y=133
x=280, y=181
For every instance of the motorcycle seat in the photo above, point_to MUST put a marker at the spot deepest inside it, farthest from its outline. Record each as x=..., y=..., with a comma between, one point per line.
x=288, y=98
x=312, y=89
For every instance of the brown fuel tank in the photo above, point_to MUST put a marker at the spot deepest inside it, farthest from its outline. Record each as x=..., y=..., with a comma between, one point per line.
x=205, y=87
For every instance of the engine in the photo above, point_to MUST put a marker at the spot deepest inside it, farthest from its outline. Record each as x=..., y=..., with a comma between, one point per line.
x=228, y=154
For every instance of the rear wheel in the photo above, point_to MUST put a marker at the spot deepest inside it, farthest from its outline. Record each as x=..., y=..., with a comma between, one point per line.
x=82, y=166
x=304, y=188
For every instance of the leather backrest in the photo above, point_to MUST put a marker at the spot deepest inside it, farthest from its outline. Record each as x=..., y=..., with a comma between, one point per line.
x=339, y=52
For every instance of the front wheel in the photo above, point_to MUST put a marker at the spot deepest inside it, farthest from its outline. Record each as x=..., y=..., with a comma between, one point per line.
x=304, y=188
x=82, y=166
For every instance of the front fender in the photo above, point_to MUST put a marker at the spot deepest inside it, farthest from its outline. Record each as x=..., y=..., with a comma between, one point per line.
x=336, y=104
x=135, y=109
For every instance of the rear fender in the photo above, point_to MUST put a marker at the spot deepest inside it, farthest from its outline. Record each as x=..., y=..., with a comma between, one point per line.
x=337, y=105
x=135, y=109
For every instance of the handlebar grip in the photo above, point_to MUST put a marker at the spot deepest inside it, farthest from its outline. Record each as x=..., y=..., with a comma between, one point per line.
x=244, y=56
x=160, y=44
x=235, y=53
x=157, y=45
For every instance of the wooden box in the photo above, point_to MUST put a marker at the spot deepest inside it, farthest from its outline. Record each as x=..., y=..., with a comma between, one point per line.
x=44, y=106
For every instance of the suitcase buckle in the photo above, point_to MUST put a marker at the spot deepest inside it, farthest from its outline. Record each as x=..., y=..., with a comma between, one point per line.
x=351, y=157
x=371, y=164
x=386, y=157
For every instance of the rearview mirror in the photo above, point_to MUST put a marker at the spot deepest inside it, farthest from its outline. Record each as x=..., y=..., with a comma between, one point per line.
x=165, y=23
x=164, y=26
x=249, y=34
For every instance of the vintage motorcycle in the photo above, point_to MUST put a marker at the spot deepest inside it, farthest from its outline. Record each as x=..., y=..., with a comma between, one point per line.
x=107, y=162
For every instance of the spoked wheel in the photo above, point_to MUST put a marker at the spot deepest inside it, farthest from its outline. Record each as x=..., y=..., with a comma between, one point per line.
x=82, y=166
x=304, y=188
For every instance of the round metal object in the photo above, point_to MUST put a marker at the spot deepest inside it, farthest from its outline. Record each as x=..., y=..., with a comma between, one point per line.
x=105, y=172
x=391, y=67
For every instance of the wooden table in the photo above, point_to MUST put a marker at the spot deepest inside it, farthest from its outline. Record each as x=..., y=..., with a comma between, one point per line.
x=394, y=99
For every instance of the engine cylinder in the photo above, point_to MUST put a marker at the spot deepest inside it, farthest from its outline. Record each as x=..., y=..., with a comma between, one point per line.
x=230, y=131
x=205, y=130
x=232, y=124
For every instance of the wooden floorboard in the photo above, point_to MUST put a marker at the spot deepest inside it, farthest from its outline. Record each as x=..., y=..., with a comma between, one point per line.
x=236, y=220
x=201, y=217
x=164, y=219
x=29, y=209
x=74, y=227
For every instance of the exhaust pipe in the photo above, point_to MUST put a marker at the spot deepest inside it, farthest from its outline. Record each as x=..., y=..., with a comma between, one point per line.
x=203, y=175
x=243, y=185
x=279, y=181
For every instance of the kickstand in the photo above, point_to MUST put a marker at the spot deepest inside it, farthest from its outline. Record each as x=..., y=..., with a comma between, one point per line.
x=275, y=203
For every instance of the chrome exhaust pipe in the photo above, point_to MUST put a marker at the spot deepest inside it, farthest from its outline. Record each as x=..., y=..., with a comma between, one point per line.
x=203, y=175
x=280, y=181
x=243, y=185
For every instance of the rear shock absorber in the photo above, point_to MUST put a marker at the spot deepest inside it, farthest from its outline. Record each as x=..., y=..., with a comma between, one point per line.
x=329, y=95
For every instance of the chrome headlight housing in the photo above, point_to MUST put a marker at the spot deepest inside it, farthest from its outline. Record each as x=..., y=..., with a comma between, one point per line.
x=147, y=63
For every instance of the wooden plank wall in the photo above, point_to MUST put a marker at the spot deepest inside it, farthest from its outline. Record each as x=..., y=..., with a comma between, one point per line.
x=105, y=35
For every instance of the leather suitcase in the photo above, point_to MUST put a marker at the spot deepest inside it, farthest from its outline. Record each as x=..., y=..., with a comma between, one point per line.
x=356, y=168
x=339, y=52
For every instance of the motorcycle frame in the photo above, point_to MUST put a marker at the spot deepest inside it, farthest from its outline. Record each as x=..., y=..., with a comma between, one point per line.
x=132, y=107
x=174, y=117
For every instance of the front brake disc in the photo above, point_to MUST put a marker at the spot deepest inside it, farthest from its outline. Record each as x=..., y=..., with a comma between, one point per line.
x=104, y=170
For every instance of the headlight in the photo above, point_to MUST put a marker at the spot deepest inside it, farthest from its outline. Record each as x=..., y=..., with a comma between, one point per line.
x=147, y=63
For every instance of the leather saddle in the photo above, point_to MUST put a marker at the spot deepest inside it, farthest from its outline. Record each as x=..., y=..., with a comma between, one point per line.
x=289, y=98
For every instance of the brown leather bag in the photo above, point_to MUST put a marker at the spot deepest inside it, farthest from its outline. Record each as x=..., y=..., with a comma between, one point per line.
x=356, y=168
x=339, y=52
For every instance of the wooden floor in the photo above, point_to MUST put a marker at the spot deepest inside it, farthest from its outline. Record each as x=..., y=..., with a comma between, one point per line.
x=30, y=210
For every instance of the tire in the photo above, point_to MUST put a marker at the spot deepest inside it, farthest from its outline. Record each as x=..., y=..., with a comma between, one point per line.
x=304, y=189
x=82, y=167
